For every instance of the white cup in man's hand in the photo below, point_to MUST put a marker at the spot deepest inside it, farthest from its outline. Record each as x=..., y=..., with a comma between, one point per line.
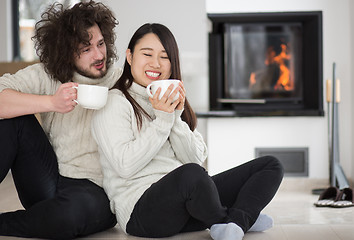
x=91, y=96
x=163, y=84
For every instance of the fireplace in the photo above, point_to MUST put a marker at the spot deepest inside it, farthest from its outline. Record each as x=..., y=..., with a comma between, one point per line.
x=266, y=64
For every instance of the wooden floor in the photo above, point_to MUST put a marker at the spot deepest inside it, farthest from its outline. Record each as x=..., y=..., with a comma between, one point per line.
x=295, y=216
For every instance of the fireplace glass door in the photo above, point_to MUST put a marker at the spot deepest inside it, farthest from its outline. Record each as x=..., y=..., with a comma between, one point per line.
x=266, y=64
x=262, y=62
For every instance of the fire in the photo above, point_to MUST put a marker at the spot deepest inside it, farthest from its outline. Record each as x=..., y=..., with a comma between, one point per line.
x=285, y=81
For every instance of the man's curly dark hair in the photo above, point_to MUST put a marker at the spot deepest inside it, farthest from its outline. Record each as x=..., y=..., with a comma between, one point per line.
x=60, y=31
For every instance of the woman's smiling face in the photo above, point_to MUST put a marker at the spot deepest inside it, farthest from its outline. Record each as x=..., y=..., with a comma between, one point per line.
x=149, y=61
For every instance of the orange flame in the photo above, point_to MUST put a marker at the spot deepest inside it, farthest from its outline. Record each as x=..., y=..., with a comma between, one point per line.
x=285, y=81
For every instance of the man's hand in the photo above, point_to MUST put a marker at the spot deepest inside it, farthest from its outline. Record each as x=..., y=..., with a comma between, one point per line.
x=63, y=99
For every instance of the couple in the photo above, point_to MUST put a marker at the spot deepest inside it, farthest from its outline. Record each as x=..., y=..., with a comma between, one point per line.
x=149, y=149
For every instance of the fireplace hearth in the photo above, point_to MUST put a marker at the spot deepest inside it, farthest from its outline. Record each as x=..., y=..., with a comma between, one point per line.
x=266, y=64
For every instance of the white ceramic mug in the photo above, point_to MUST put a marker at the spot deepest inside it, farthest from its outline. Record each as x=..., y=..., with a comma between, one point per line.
x=163, y=84
x=91, y=96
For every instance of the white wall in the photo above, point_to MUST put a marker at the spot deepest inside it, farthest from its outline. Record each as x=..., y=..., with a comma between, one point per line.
x=242, y=135
x=6, y=31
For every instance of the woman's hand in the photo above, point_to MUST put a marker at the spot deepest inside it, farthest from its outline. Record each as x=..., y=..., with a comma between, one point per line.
x=181, y=97
x=166, y=103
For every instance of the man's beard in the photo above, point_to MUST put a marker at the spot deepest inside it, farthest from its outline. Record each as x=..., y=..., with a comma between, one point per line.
x=88, y=74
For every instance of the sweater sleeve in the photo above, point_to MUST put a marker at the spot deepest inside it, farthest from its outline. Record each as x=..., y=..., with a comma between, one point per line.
x=127, y=149
x=32, y=79
x=188, y=145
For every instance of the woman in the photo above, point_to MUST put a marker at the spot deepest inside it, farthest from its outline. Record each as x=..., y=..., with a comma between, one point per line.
x=151, y=155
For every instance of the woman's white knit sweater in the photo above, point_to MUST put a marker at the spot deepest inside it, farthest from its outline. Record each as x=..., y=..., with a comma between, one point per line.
x=69, y=133
x=134, y=159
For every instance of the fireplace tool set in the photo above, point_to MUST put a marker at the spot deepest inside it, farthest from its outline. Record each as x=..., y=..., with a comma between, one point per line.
x=339, y=194
x=337, y=176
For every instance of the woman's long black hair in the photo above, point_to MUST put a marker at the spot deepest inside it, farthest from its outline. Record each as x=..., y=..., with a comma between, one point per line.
x=169, y=43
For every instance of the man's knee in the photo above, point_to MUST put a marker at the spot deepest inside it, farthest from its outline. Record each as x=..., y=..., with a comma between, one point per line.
x=14, y=129
x=9, y=142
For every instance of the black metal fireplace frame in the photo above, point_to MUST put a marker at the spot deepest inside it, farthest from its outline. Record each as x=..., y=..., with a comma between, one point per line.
x=312, y=79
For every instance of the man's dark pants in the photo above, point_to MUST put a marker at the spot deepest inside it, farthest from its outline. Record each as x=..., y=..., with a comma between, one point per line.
x=56, y=207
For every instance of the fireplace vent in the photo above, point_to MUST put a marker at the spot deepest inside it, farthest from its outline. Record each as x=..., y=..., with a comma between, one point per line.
x=294, y=160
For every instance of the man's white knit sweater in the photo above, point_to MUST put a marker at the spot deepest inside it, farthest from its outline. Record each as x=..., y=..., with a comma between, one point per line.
x=133, y=159
x=69, y=133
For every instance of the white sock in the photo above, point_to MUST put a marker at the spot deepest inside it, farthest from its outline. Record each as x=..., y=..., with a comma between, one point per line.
x=226, y=231
x=263, y=222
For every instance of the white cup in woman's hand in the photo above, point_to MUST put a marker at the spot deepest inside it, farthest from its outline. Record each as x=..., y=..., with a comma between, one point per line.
x=163, y=84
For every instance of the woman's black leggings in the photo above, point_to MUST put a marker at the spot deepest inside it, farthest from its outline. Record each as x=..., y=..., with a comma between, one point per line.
x=188, y=199
x=56, y=207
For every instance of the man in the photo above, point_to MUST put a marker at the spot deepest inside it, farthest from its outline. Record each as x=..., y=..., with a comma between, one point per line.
x=55, y=165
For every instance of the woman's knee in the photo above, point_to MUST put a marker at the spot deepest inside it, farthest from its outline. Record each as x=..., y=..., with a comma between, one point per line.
x=193, y=174
x=272, y=163
x=275, y=163
x=191, y=170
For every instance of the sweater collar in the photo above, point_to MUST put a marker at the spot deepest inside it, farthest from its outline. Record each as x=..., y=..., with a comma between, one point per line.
x=106, y=80
x=138, y=90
